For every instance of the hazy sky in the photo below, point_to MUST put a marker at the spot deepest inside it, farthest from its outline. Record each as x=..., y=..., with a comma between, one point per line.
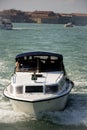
x=64, y=6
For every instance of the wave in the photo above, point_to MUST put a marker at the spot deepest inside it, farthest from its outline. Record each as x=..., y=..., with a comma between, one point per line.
x=7, y=115
x=25, y=28
x=4, y=82
x=20, y=28
x=80, y=87
x=74, y=114
x=2, y=67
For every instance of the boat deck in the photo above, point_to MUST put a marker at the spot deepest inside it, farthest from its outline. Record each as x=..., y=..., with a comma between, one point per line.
x=24, y=78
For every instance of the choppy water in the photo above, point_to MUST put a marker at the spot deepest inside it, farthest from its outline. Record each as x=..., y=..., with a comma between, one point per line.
x=72, y=43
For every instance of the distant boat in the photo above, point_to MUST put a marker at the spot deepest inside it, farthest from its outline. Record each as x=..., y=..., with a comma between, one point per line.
x=68, y=25
x=39, y=84
x=6, y=24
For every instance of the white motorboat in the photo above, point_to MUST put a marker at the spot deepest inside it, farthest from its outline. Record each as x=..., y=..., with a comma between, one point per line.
x=68, y=25
x=39, y=83
x=6, y=24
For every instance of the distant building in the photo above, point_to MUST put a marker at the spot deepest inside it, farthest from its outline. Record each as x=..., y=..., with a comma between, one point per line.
x=79, y=19
x=65, y=18
x=15, y=15
x=44, y=17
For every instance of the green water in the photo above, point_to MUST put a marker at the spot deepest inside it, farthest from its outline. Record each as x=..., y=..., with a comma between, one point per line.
x=72, y=43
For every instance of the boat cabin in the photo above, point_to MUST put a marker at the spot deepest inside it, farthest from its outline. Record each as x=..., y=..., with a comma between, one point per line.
x=40, y=72
x=39, y=62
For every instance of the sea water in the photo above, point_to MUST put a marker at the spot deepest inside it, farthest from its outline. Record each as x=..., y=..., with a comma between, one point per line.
x=72, y=44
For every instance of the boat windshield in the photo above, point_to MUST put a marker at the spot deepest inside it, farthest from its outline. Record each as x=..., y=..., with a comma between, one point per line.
x=39, y=63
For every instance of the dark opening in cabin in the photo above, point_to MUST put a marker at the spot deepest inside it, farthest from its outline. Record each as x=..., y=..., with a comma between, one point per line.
x=30, y=89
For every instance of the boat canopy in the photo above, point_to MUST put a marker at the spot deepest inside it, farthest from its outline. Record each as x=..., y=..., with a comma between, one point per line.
x=39, y=53
x=41, y=61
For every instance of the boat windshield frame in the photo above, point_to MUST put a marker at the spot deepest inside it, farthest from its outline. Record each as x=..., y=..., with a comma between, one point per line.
x=39, y=61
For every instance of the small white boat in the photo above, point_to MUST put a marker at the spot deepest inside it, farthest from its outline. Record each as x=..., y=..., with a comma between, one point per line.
x=6, y=24
x=39, y=83
x=68, y=25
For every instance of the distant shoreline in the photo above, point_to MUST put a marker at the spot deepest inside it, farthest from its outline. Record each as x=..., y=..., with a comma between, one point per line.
x=49, y=17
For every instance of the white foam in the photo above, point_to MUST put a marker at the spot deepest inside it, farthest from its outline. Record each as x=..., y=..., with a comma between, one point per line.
x=74, y=114
x=4, y=81
x=7, y=115
x=2, y=67
x=80, y=87
x=19, y=28
x=67, y=117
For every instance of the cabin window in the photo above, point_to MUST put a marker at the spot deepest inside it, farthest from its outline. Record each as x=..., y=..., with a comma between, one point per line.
x=19, y=89
x=62, y=82
x=51, y=88
x=33, y=89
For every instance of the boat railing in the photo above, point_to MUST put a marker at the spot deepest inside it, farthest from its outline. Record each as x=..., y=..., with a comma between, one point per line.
x=44, y=85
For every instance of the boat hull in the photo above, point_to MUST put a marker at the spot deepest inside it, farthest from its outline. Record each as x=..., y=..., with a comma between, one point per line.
x=38, y=107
